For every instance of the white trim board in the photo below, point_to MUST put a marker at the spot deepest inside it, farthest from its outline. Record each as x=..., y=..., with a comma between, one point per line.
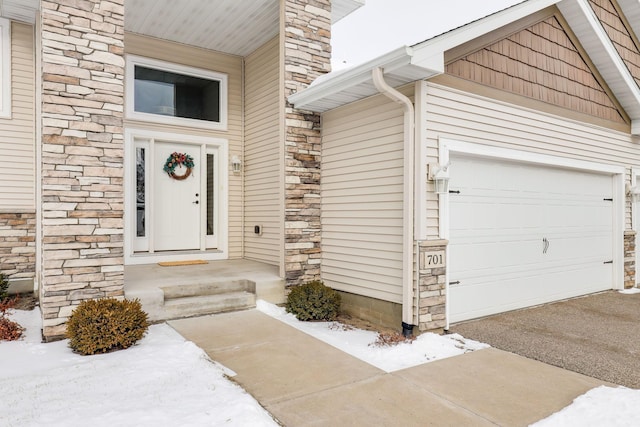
x=5, y=68
x=635, y=217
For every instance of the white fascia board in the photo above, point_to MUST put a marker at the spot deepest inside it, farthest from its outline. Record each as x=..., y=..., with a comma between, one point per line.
x=336, y=82
x=482, y=26
x=635, y=127
x=631, y=10
x=424, y=59
x=603, y=54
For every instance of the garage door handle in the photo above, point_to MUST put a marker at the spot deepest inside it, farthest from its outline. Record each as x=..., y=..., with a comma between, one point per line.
x=545, y=245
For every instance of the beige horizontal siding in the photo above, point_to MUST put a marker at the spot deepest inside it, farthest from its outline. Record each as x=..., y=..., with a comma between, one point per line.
x=214, y=61
x=263, y=199
x=465, y=117
x=17, y=134
x=362, y=184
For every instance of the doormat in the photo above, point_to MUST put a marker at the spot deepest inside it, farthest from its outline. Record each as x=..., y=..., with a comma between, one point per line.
x=177, y=263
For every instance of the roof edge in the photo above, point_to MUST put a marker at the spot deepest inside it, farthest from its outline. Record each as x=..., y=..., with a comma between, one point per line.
x=335, y=82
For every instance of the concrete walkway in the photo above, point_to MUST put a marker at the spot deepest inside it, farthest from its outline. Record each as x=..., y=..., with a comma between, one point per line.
x=304, y=382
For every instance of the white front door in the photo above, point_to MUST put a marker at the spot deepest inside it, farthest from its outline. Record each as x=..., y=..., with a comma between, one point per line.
x=170, y=216
x=177, y=209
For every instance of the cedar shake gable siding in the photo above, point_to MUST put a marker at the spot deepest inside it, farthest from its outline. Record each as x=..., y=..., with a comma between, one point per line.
x=622, y=38
x=540, y=62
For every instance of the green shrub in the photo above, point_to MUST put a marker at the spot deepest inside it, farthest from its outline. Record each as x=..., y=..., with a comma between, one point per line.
x=99, y=326
x=4, y=287
x=313, y=301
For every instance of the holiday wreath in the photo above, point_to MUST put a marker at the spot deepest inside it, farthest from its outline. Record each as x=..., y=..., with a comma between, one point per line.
x=178, y=159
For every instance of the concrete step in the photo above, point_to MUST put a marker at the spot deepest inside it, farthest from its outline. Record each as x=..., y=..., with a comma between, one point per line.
x=200, y=305
x=207, y=288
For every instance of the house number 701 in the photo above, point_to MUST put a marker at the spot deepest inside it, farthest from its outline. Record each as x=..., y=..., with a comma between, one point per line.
x=434, y=259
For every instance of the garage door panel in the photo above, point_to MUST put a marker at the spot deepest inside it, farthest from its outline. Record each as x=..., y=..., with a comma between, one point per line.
x=513, y=292
x=492, y=255
x=523, y=234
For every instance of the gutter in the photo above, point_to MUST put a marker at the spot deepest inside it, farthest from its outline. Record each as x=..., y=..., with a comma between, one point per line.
x=408, y=290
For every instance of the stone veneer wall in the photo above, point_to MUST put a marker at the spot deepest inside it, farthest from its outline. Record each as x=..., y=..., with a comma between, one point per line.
x=432, y=297
x=18, y=246
x=629, y=259
x=307, y=55
x=82, y=156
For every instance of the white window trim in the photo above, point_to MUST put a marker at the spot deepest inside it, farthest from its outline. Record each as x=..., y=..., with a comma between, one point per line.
x=222, y=146
x=5, y=68
x=133, y=60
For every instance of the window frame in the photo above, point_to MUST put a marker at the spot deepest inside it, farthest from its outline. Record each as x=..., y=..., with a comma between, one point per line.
x=5, y=68
x=132, y=61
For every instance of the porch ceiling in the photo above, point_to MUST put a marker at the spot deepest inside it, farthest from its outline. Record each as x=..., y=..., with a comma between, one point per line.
x=236, y=27
x=19, y=10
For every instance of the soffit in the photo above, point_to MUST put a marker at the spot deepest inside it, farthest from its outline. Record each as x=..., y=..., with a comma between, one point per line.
x=237, y=27
x=20, y=10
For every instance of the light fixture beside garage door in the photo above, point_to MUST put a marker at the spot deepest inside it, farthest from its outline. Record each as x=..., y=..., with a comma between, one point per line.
x=633, y=193
x=440, y=176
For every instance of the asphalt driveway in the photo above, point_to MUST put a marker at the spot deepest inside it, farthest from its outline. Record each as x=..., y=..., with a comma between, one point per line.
x=597, y=335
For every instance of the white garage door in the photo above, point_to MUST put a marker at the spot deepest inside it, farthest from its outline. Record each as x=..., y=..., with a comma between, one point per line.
x=524, y=234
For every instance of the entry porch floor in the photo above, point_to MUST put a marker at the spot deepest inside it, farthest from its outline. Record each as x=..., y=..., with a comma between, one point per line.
x=192, y=290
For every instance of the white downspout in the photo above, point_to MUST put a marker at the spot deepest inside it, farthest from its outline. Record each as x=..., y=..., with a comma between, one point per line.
x=407, y=209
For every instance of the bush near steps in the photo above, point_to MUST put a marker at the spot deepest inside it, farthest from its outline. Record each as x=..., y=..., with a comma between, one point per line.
x=104, y=325
x=313, y=301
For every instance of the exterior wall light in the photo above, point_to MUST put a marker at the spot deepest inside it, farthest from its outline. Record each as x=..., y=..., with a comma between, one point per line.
x=633, y=193
x=440, y=177
x=236, y=164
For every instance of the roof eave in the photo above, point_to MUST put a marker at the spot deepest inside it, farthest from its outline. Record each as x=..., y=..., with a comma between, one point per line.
x=421, y=61
x=342, y=8
x=604, y=56
x=342, y=87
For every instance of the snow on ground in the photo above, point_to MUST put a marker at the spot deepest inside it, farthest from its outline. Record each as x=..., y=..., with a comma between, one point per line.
x=358, y=343
x=630, y=291
x=601, y=406
x=164, y=380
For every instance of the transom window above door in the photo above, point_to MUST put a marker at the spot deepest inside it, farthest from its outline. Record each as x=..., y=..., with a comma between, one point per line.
x=164, y=92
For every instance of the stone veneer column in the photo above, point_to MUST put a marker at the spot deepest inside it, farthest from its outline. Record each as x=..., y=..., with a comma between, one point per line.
x=307, y=55
x=432, y=276
x=18, y=246
x=82, y=156
x=629, y=259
